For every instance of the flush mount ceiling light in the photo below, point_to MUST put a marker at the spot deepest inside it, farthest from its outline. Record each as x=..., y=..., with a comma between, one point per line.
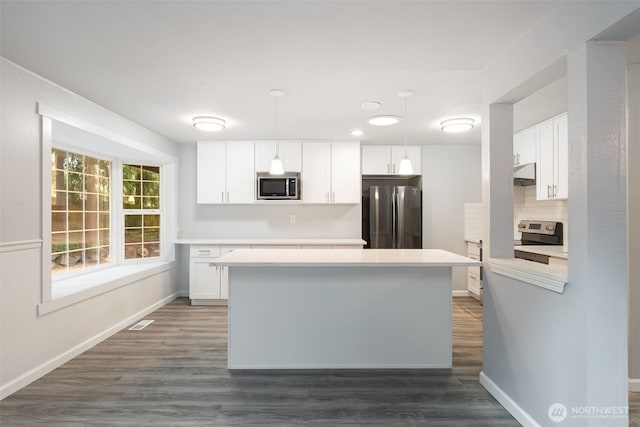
x=208, y=123
x=276, y=164
x=357, y=132
x=370, y=105
x=405, y=164
x=457, y=125
x=384, y=120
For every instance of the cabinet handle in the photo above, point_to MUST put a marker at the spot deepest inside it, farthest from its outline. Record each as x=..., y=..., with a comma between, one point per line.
x=518, y=158
x=555, y=191
x=515, y=162
x=222, y=196
x=548, y=191
x=394, y=168
x=334, y=197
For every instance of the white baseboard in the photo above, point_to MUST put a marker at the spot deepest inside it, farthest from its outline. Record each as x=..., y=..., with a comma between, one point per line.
x=460, y=293
x=48, y=366
x=634, y=385
x=503, y=398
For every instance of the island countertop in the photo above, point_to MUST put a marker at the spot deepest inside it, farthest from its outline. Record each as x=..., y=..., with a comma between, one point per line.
x=345, y=257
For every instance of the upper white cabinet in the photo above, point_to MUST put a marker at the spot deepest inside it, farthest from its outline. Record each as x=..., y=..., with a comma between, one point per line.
x=331, y=172
x=385, y=159
x=225, y=172
x=290, y=153
x=524, y=146
x=552, y=162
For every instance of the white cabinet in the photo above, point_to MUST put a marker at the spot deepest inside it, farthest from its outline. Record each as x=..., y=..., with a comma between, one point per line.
x=290, y=153
x=385, y=159
x=552, y=164
x=204, y=276
x=225, y=172
x=331, y=172
x=524, y=146
x=474, y=274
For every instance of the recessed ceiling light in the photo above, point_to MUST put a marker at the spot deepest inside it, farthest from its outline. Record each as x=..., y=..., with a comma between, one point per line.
x=460, y=124
x=371, y=105
x=384, y=120
x=208, y=124
x=357, y=132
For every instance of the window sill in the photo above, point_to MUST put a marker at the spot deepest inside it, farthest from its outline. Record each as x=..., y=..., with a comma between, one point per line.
x=77, y=289
x=550, y=277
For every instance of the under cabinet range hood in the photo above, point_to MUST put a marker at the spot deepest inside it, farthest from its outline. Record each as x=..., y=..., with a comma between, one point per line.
x=524, y=174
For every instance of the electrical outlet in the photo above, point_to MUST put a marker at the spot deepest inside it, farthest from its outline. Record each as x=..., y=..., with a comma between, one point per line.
x=292, y=218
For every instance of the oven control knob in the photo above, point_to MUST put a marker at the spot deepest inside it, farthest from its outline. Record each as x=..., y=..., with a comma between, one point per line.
x=522, y=226
x=550, y=227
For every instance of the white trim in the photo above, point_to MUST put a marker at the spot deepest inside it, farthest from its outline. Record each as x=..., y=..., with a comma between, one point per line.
x=509, y=404
x=634, y=385
x=461, y=293
x=48, y=111
x=45, y=207
x=531, y=273
x=101, y=282
x=20, y=245
x=48, y=366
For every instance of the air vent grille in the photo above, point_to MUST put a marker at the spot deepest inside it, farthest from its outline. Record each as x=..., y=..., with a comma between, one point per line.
x=141, y=325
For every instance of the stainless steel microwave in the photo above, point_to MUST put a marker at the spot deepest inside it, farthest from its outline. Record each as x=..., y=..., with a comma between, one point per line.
x=278, y=187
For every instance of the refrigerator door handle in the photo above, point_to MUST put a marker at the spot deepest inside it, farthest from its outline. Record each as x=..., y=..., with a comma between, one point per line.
x=394, y=219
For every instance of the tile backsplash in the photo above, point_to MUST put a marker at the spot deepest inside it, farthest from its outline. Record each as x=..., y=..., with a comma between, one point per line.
x=525, y=206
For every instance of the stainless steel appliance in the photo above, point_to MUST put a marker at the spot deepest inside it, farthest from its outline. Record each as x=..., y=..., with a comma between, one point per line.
x=395, y=217
x=278, y=187
x=538, y=233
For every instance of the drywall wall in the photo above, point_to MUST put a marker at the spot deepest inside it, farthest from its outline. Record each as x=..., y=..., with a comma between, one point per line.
x=633, y=213
x=542, y=348
x=31, y=344
x=451, y=176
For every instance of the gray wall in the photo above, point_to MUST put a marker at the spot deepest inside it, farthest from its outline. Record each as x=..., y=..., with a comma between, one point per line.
x=539, y=347
x=32, y=344
x=451, y=177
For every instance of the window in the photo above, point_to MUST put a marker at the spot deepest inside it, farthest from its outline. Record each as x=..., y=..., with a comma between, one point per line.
x=141, y=206
x=80, y=211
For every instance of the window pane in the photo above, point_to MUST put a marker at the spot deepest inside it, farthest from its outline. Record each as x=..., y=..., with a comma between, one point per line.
x=131, y=188
x=133, y=220
x=133, y=251
x=152, y=234
x=151, y=203
x=152, y=220
x=75, y=202
x=151, y=173
x=131, y=202
x=133, y=235
x=151, y=188
x=152, y=250
x=59, y=200
x=80, y=191
x=130, y=172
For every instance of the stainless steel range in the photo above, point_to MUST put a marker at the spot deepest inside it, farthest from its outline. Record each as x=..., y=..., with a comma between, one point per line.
x=538, y=233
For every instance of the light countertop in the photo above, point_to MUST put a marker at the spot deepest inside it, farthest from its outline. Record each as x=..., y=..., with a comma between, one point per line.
x=218, y=241
x=552, y=251
x=345, y=257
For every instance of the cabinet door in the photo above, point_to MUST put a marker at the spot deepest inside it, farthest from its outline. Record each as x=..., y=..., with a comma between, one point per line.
x=345, y=172
x=241, y=177
x=211, y=172
x=524, y=146
x=562, y=157
x=376, y=160
x=316, y=172
x=545, y=160
x=290, y=154
x=414, y=153
x=204, y=279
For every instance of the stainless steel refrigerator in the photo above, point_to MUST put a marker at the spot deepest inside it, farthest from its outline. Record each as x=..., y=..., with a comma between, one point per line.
x=395, y=217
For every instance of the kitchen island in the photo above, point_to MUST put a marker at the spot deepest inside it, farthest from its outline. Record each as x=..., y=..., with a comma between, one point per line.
x=340, y=308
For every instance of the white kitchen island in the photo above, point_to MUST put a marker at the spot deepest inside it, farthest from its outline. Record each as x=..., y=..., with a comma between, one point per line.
x=340, y=308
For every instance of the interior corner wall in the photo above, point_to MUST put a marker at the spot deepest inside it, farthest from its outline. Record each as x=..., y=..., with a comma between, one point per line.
x=451, y=177
x=633, y=213
x=32, y=345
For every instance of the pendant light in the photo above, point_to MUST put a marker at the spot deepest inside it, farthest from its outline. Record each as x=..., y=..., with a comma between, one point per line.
x=276, y=164
x=405, y=164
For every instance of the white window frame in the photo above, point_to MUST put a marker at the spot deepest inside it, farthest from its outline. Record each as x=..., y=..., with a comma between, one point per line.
x=76, y=286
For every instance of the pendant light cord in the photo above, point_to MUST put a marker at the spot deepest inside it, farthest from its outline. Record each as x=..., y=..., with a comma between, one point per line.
x=277, y=129
x=405, y=126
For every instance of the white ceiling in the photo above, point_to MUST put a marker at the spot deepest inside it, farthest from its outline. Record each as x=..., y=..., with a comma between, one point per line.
x=161, y=63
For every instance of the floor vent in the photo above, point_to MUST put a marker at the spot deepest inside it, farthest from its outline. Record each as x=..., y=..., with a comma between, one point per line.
x=141, y=325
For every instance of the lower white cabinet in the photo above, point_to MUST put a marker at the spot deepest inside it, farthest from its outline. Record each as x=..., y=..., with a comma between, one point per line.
x=474, y=274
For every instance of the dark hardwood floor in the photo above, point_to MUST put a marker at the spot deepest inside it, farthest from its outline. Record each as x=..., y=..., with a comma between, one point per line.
x=173, y=373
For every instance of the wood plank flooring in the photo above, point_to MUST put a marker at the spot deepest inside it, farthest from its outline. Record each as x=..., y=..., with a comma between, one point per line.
x=173, y=373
